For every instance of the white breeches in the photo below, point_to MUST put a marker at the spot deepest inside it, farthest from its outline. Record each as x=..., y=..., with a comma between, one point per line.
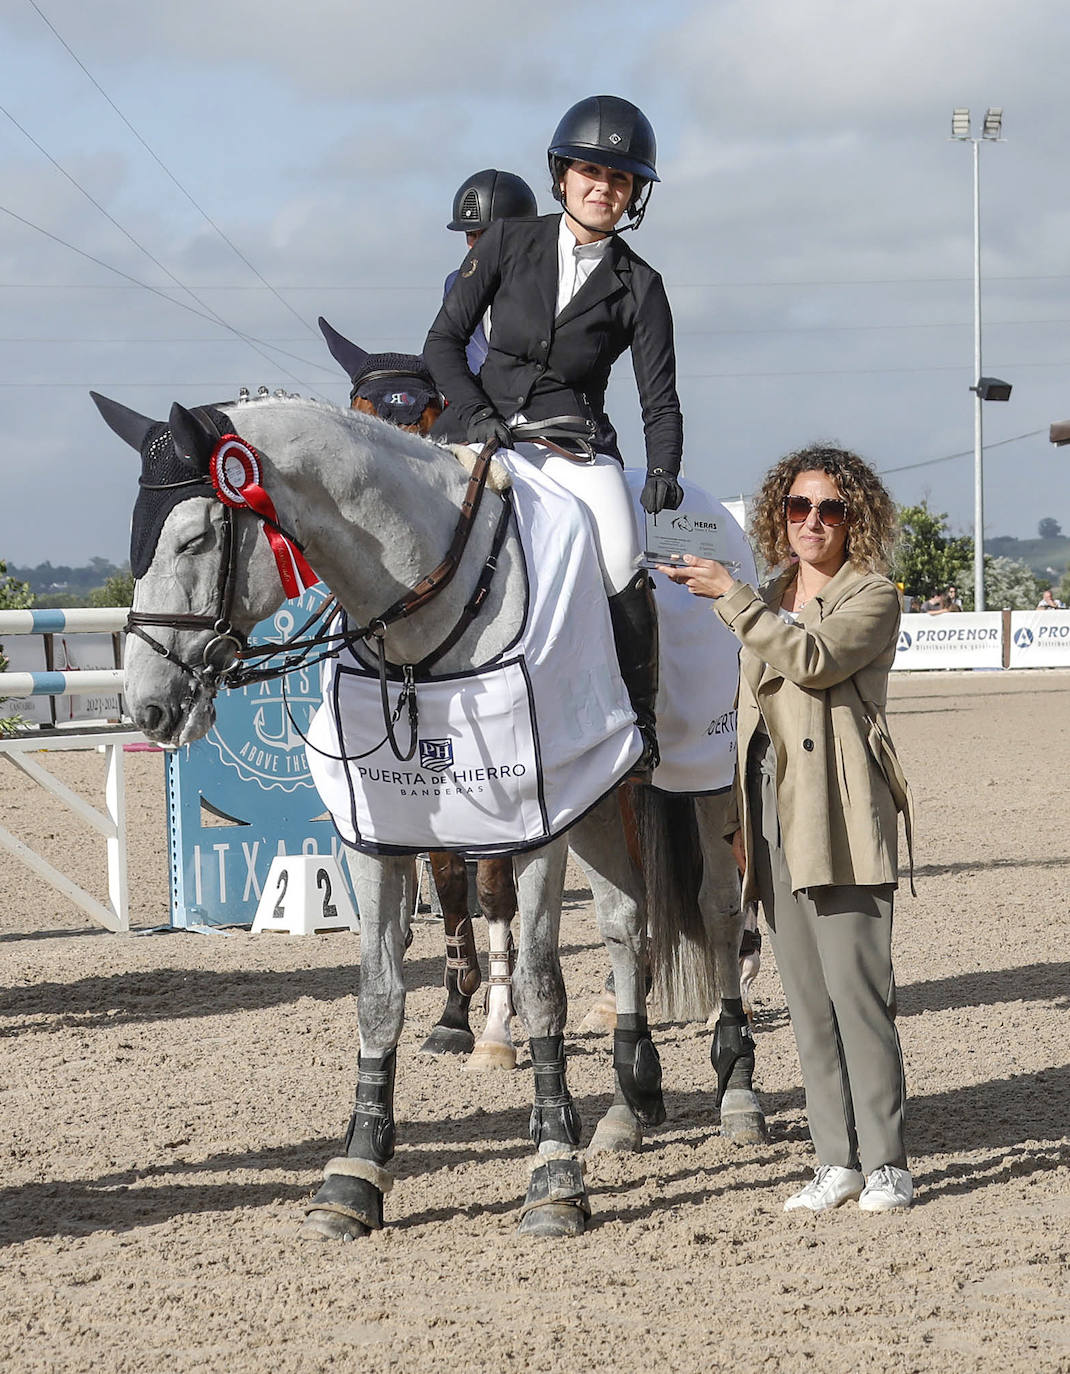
x=599, y=486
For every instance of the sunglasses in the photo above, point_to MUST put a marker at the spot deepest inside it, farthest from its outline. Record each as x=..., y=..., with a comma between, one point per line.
x=831, y=512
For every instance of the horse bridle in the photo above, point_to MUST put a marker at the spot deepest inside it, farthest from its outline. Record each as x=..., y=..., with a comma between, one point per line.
x=222, y=650
x=227, y=644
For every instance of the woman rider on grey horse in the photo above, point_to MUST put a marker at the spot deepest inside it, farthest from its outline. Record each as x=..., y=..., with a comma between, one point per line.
x=564, y=296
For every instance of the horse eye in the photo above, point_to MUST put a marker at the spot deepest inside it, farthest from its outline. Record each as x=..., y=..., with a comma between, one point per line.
x=200, y=542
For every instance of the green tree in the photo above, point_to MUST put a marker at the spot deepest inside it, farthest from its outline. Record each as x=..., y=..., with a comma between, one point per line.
x=1063, y=591
x=1009, y=585
x=14, y=596
x=118, y=590
x=928, y=558
x=1049, y=528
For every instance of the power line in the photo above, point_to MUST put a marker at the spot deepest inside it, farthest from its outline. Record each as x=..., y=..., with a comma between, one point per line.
x=147, y=252
x=167, y=171
x=851, y=371
x=437, y=286
x=680, y=333
x=966, y=453
x=144, y=286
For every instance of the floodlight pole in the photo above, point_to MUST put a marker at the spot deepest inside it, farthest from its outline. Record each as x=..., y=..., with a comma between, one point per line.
x=991, y=131
x=978, y=402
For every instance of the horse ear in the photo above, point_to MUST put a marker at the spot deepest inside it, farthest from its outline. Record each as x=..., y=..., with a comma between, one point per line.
x=128, y=424
x=350, y=355
x=193, y=439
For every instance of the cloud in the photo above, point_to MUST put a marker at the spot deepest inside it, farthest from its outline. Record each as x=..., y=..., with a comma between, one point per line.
x=814, y=223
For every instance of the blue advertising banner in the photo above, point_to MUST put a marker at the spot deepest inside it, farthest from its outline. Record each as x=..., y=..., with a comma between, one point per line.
x=244, y=794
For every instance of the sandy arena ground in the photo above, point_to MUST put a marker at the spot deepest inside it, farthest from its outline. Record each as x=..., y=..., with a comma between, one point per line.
x=168, y=1103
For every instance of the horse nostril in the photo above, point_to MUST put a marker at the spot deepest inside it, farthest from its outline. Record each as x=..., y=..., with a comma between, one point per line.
x=154, y=720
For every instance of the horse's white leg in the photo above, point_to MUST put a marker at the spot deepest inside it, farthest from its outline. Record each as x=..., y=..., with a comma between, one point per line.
x=750, y=959
x=497, y=900
x=556, y=1202
x=598, y=843
x=732, y=1051
x=349, y=1203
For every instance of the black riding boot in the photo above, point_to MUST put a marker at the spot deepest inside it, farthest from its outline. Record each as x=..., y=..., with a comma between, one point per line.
x=635, y=634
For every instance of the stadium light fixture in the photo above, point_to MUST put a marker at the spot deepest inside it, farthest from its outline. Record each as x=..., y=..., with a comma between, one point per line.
x=992, y=389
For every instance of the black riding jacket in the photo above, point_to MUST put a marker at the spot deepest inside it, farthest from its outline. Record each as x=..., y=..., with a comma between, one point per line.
x=543, y=366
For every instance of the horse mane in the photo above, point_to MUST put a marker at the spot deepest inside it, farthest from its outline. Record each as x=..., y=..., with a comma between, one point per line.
x=367, y=427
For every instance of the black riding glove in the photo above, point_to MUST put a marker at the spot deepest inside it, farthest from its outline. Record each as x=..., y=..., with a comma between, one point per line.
x=661, y=492
x=487, y=424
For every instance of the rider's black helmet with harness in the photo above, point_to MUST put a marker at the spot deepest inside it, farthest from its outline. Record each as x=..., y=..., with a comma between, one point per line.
x=611, y=132
x=490, y=195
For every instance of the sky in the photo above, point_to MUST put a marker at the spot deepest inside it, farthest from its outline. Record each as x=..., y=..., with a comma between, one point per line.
x=184, y=189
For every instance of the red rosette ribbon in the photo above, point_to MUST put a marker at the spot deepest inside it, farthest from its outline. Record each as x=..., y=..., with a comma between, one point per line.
x=234, y=468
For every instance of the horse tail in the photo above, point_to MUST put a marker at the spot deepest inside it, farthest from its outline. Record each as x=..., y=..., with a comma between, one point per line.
x=681, y=959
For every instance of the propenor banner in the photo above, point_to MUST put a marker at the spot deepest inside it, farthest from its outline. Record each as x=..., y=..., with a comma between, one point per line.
x=1040, y=639
x=962, y=639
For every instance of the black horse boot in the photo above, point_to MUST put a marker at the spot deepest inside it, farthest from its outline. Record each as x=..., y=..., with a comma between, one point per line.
x=349, y=1202
x=635, y=634
x=556, y=1203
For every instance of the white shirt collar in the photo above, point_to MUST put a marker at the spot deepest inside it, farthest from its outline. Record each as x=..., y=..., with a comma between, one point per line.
x=567, y=243
x=575, y=262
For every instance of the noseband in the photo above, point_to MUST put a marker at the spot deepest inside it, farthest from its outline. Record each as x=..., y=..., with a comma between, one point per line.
x=222, y=651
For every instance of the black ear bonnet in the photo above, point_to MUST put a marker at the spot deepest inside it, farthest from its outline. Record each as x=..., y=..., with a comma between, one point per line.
x=166, y=479
x=398, y=385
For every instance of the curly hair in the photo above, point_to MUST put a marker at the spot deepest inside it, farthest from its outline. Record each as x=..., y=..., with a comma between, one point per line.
x=872, y=523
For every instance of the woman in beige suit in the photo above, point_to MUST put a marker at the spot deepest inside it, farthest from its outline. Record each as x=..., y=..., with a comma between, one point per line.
x=819, y=792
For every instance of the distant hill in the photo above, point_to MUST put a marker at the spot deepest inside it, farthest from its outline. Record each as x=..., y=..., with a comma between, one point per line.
x=59, y=585
x=1041, y=555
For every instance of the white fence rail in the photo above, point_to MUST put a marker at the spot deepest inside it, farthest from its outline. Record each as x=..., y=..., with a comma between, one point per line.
x=104, y=685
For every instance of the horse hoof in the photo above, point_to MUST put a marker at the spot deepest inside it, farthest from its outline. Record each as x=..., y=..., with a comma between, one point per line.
x=618, y=1133
x=322, y=1225
x=448, y=1040
x=742, y=1119
x=602, y=1017
x=489, y=1055
x=554, y=1219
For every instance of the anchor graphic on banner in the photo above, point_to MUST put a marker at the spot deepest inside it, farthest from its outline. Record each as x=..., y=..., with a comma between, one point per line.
x=289, y=737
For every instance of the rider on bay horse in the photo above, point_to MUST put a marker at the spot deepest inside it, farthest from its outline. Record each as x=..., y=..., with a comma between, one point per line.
x=564, y=296
x=485, y=197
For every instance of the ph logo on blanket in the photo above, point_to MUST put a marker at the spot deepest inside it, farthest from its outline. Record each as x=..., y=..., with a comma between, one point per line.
x=436, y=755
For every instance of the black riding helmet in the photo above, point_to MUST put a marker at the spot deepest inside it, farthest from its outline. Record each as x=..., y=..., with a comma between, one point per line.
x=611, y=132
x=490, y=195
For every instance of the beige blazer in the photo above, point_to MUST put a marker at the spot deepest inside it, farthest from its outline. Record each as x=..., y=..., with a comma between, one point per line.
x=822, y=688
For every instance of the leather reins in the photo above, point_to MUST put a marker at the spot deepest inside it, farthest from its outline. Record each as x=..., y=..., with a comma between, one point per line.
x=228, y=644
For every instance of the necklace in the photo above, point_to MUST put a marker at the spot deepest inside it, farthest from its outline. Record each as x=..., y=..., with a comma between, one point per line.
x=800, y=604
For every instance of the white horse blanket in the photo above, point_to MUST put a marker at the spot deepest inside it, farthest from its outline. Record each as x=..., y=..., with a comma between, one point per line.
x=512, y=754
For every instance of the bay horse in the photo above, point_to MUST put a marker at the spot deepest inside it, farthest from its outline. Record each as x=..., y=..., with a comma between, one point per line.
x=399, y=389
x=369, y=506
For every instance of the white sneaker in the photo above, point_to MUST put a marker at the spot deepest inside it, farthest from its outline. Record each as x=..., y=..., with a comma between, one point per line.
x=886, y=1189
x=830, y=1186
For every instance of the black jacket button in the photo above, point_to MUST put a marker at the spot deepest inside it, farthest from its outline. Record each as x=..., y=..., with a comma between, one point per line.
x=808, y=745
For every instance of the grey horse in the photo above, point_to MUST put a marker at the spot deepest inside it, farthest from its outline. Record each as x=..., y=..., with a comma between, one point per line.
x=372, y=508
